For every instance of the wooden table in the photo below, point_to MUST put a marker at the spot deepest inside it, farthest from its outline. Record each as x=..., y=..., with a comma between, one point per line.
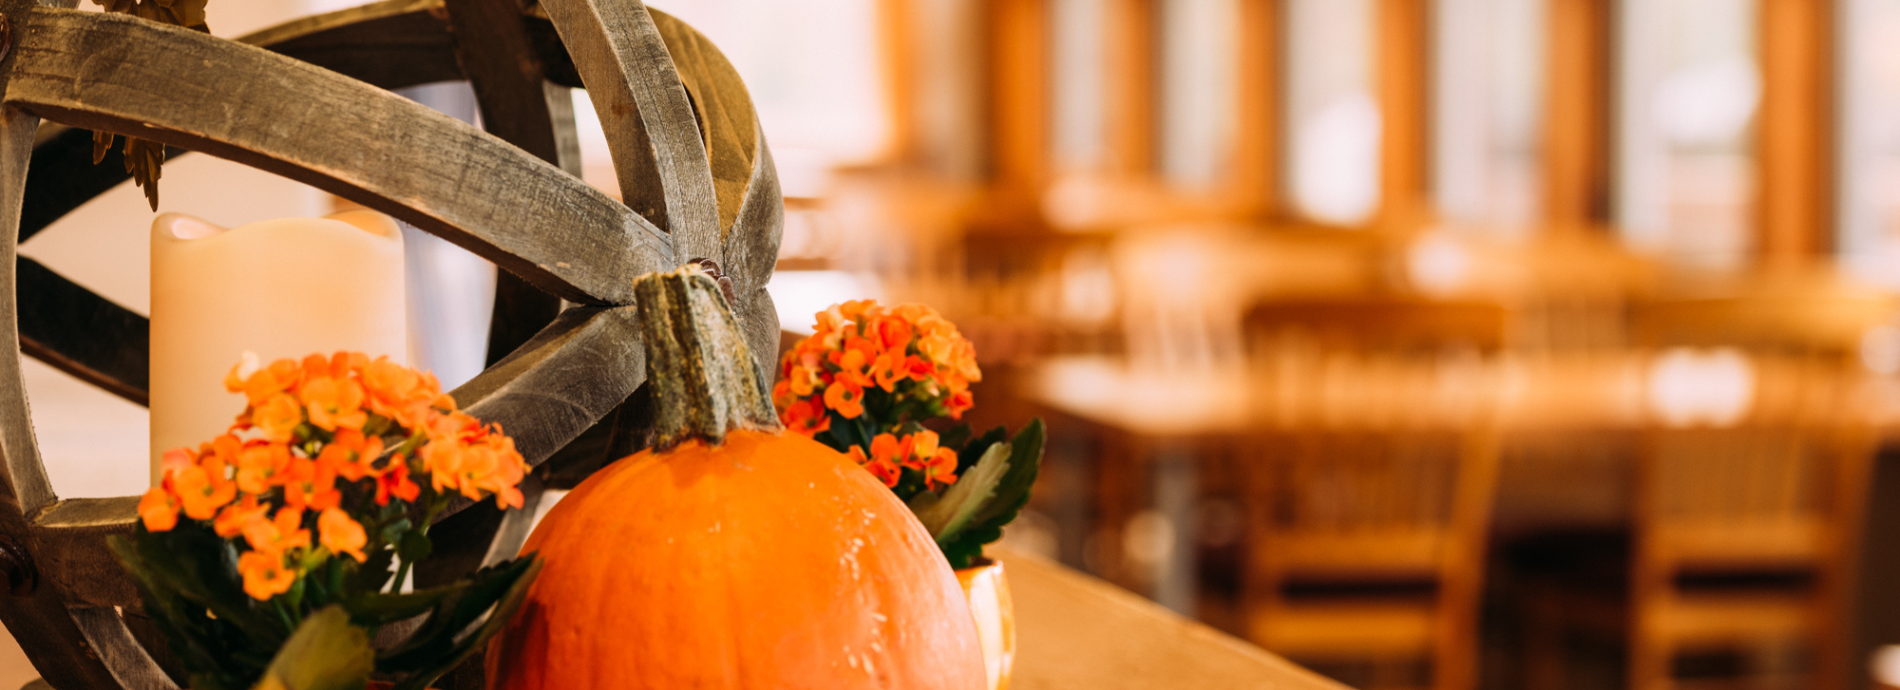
x=1074, y=631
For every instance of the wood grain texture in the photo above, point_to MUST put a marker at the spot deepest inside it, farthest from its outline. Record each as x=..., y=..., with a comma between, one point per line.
x=559, y=384
x=128, y=76
x=1073, y=631
x=723, y=110
x=63, y=650
x=72, y=554
x=652, y=131
x=517, y=104
x=1796, y=133
x=751, y=256
x=392, y=44
x=745, y=181
x=63, y=176
x=79, y=332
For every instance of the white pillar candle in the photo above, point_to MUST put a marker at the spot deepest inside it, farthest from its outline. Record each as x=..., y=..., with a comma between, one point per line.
x=278, y=288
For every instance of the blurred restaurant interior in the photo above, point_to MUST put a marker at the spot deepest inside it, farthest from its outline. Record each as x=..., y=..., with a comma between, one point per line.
x=1430, y=344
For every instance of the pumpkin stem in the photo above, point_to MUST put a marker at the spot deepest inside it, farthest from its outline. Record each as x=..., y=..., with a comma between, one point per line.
x=705, y=380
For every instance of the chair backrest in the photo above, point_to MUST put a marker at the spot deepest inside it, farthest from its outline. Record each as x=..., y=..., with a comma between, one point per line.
x=1391, y=324
x=1744, y=499
x=1366, y=505
x=1382, y=457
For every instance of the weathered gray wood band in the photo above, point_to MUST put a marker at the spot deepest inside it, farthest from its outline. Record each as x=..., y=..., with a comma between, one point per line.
x=306, y=100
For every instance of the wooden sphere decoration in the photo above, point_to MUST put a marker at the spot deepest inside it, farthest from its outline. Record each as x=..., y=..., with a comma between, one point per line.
x=310, y=100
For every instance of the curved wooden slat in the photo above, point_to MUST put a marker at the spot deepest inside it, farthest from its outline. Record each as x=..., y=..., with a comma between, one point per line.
x=81, y=333
x=63, y=176
x=651, y=130
x=560, y=383
x=65, y=652
x=125, y=75
x=392, y=44
x=72, y=554
x=728, y=127
x=751, y=211
x=751, y=255
x=522, y=108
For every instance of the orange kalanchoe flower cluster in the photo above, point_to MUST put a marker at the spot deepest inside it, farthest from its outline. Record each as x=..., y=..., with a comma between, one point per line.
x=910, y=353
x=891, y=455
x=310, y=429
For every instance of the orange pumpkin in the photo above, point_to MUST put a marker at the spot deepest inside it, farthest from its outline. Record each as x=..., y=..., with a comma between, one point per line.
x=765, y=561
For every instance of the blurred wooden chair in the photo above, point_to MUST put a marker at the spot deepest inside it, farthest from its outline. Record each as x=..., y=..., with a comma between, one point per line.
x=1370, y=495
x=1743, y=542
x=1743, y=530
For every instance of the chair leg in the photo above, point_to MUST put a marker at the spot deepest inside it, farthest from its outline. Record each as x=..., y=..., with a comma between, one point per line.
x=1544, y=646
x=1649, y=667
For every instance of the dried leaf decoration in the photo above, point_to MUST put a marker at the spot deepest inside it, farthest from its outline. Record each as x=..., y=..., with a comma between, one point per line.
x=143, y=158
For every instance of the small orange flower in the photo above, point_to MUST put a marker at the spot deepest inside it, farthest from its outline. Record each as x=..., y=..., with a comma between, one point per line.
x=264, y=574
x=235, y=517
x=885, y=472
x=919, y=448
x=176, y=460
x=350, y=453
x=847, y=399
x=334, y=403
x=278, y=418
x=889, y=369
x=886, y=448
x=308, y=484
x=940, y=469
x=260, y=384
x=201, y=493
x=340, y=534
x=861, y=344
x=393, y=480
x=801, y=380
x=261, y=465
x=159, y=509
x=851, y=365
x=401, y=393
x=892, y=332
x=958, y=403
x=280, y=534
x=807, y=417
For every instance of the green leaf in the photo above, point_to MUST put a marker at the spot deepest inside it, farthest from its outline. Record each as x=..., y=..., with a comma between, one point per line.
x=951, y=512
x=414, y=546
x=375, y=608
x=1012, y=493
x=956, y=437
x=325, y=653
x=200, y=567
x=504, y=609
x=974, y=450
x=373, y=573
x=467, y=601
x=202, y=644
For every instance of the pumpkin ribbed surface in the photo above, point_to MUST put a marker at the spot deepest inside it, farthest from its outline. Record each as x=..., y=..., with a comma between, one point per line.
x=768, y=562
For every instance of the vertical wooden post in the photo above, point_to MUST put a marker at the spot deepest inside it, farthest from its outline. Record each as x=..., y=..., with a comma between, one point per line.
x=1131, y=71
x=1403, y=79
x=1257, y=148
x=1796, y=136
x=1577, y=121
x=1018, y=97
x=896, y=22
